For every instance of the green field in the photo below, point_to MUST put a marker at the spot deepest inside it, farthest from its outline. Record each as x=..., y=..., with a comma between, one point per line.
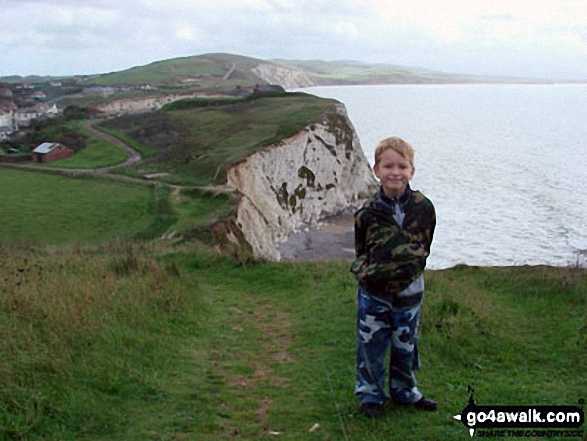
x=106, y=338
x=162, y=72
x=49, y=209
x=98, y=153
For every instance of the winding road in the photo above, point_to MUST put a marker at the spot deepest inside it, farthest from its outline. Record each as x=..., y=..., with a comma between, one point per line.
x=133, y=155
x=132, y=158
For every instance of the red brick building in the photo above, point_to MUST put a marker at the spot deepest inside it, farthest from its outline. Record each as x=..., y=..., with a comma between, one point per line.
x=50, y=151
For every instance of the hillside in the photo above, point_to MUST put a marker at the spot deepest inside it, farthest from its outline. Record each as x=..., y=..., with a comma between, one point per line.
x=224, y=72
x=135, y=342
x=356, y=73
x=212, y=72
x=194, y=141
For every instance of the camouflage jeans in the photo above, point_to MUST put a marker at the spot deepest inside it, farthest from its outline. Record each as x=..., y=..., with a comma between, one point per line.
x=379, y=326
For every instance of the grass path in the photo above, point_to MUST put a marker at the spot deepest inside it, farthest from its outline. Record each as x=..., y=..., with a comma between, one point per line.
x=287, y=353
x=251, y=357
x=282, y=351
x=218, y=351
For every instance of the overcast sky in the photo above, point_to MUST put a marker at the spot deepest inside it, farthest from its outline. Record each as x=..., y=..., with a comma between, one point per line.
x=530, y=38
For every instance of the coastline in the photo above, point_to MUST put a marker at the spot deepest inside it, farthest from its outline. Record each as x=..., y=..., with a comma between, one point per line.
x=331, y=239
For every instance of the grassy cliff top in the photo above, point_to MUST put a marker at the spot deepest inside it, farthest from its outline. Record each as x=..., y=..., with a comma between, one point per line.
x=217, y=351
x=195, y=140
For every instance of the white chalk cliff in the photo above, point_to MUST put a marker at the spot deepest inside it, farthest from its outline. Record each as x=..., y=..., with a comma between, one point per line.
x=140, y=105
x=286, y=77
x=319, y=172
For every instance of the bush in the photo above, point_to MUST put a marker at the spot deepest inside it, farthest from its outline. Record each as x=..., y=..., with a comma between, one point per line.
x=53, y=130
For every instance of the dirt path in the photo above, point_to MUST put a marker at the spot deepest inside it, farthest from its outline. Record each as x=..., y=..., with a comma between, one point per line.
x=133, y=155
x=229, y=73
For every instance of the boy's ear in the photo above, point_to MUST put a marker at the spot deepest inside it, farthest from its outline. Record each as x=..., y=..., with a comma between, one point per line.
x=376, y=170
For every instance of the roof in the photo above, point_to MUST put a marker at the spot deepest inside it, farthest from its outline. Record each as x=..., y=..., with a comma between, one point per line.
x=46, y=147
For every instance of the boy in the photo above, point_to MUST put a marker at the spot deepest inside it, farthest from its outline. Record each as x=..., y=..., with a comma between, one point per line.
x=393, y=234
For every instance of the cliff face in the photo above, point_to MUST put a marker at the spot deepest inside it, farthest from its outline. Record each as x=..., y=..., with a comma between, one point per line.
x=287, y=77
x=139, y=105
x=320, y=171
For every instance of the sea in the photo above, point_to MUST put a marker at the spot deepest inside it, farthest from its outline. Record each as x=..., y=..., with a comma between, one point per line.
x=504, y=164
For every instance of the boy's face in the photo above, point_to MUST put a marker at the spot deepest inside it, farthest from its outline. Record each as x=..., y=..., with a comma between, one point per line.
x=394, y=172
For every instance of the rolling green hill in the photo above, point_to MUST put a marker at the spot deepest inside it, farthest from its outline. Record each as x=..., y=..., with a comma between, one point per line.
x=207, y=72
x=354, y=72
x=226, y=71
x=221, y=72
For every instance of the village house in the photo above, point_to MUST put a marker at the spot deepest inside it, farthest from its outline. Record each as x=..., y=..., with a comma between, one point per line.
x=268, y=88
x=38, y=95
x=6, y=123
x=6, y=119
x=19, y=110
x=24, y=117
x=7, y=108
x=50, y=151
x=25, y=86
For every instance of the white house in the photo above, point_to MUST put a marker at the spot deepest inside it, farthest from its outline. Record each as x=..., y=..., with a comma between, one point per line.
x=25, y=116
x=6, y=118
x=6, y=123
x=50, y=110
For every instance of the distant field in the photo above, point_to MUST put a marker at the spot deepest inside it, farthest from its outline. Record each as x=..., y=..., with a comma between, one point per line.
x=351, y=73
x=162, y=72
x=98, y=153
x=47, y=209
x=128, y=140
x=208, y=72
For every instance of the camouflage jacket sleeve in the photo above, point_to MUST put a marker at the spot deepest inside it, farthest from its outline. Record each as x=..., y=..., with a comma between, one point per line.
x=359, y=234
x=390, y=258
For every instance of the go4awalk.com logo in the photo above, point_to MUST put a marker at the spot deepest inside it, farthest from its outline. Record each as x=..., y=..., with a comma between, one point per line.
x=523, y=421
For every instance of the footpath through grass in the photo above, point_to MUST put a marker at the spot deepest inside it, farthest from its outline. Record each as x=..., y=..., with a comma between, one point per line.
x=130, y=342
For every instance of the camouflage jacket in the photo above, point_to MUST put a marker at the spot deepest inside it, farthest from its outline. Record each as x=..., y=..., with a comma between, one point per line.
x=389, y=256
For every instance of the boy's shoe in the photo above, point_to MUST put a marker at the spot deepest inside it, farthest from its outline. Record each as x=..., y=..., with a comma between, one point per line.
x=373, y=410
x=426, y=404
x=422, y=404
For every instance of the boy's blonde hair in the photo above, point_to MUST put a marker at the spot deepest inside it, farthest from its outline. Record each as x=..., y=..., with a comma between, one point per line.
x=396, y=144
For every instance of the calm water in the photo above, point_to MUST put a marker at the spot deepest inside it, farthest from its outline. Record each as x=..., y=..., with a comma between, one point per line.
x=505, y=165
